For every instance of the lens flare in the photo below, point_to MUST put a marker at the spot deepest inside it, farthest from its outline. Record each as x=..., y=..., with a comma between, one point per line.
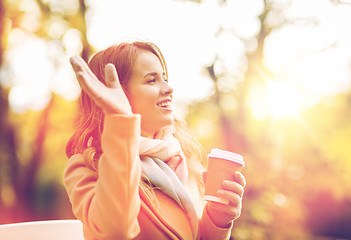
x=276, y=99
x=282, y=100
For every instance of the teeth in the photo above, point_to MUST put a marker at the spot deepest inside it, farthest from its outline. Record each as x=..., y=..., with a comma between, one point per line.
x=165, y=104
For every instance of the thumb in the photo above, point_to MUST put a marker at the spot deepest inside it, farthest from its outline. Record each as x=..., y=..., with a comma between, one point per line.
x=111, y=76
x=204, y=175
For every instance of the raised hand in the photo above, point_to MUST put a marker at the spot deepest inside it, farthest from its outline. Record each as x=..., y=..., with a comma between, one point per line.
x=111, y=98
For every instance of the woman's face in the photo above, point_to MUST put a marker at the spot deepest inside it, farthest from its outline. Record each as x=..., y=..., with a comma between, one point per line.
x=149, y=93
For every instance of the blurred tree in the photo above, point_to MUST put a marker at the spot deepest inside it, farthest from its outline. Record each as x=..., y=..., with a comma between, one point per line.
x=27, y=193
x=8, y=160
x=297, y=169
x=287, y=160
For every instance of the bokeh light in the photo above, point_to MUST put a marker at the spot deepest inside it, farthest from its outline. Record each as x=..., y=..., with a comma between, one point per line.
x=268, y=79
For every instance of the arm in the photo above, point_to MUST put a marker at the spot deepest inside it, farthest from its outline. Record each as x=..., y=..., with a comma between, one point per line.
x=217, y=219
x=208, y=230
x=107, y=201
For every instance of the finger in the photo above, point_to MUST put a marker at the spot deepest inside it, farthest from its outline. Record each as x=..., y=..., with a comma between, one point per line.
x=239, y=178
x=79, y=65
x=232, y=211
x=86, y=85
x=75, y=64
x=233, y=198
x=233, y=187
x=92, y=88
x=86, y=78
x=111, y=76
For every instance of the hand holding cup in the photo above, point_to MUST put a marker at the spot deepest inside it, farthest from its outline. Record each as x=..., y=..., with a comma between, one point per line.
x=224, y=186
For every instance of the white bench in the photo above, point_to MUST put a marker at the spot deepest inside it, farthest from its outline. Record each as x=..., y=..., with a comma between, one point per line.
x=43, y=230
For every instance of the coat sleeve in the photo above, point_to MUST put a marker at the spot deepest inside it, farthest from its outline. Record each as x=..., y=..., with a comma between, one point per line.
x=209, y=231
x=107, y=200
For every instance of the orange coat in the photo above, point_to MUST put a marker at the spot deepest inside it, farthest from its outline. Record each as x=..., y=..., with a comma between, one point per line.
x=110, y=202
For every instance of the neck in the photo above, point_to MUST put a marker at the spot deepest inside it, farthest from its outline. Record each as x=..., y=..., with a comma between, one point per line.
x=147, y=134
x=159, y=133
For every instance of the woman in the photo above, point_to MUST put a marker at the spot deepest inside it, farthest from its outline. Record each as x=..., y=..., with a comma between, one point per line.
x=131, y=166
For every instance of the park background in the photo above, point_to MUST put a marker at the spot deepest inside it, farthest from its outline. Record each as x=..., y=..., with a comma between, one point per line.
x=270, y=80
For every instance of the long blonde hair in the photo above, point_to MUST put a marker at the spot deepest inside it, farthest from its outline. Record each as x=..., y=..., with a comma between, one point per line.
x=90, y=125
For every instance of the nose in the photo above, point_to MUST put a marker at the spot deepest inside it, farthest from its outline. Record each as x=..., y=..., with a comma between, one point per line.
x=166, y=89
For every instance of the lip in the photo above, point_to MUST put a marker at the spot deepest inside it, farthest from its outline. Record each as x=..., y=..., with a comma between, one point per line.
x=165, y=101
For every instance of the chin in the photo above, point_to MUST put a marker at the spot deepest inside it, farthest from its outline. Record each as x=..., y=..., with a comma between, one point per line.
x=166, y=122
x=171, y=120
x=156, y=124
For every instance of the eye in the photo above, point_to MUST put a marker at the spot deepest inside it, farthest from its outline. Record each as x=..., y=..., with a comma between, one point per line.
x=151, y=80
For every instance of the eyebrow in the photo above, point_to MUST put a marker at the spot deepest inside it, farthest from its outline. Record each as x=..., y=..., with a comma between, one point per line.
x=151, y=73
x=155, y=74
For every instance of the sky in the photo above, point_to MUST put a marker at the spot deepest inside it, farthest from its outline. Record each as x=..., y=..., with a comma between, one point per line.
x=310, y=59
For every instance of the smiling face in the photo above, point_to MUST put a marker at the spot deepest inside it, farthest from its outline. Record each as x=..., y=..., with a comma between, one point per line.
x=149, y=93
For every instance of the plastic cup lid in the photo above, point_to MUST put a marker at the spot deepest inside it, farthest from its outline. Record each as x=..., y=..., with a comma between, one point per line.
x=218, y=153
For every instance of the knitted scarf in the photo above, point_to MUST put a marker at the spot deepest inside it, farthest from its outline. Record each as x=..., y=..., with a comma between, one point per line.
x=163, y=162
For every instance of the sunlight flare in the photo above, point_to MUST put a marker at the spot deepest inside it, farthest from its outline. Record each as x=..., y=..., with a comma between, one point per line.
x=276, y=99
x=282, y=100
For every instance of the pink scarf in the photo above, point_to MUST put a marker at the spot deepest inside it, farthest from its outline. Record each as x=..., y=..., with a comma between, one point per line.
x=163, y=162
x=166, y=148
